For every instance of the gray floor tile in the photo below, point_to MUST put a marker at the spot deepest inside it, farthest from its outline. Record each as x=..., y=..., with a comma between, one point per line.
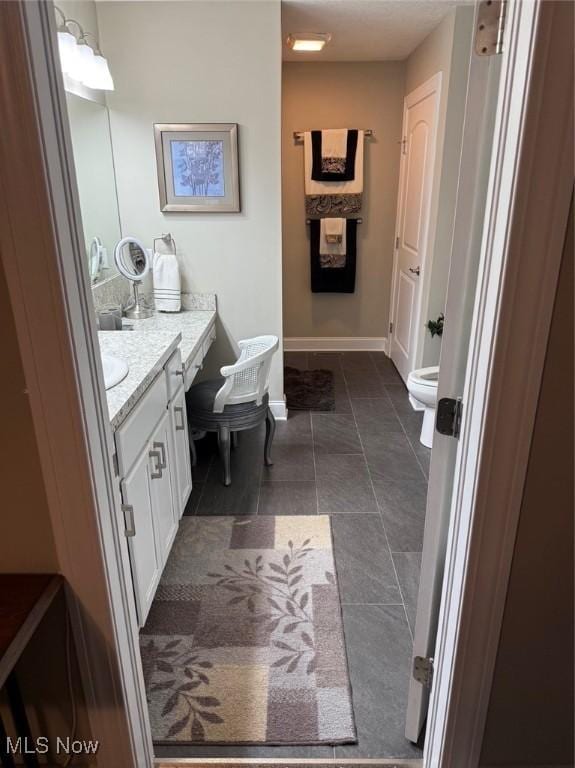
x=329, y=361
x=288, y=498
x=357, y=361
x=343, y=485
x=399, y=397
x=194, y=498
x=364, y=382
x=402, y=507
x=390, y=457
x=295, y=429
x=408, y=566
x=335, y=433
x=173, y=752
x=386, y=369
x=296, y=360
x=379, y=652
x=364, y=567
x=292, y=461
x=375, y=415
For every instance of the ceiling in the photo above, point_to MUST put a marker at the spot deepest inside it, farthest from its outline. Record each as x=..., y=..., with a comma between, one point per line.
x=362, y=30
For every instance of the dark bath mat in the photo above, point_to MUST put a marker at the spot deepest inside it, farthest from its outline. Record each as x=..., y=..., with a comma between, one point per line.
x=309, y=390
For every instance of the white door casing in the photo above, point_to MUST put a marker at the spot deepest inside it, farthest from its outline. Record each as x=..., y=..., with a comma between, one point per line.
x=418, y=147
x=477, y=141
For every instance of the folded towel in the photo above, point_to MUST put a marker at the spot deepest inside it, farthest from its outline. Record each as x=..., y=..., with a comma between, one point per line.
x=333, y=229
x=166, y=279
x=327, y=248
x=334, y=153
x=333, y=273
x=334, y=198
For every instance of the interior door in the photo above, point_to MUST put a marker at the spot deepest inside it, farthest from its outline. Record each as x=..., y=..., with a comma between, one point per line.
x=483, y=84
x=418, y=149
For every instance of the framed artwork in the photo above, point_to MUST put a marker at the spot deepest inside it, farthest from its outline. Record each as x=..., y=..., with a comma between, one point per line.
x=198, y=167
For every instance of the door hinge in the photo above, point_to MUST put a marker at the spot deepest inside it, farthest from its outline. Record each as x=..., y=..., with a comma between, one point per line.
x=448, y=419
x=115, y=465
x=490, y=25
x=130, y=526
x=391, y=327
x=397, y=242
x=423, y=670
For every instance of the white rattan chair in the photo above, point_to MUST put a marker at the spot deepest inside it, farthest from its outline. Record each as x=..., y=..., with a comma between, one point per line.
x=237, y=401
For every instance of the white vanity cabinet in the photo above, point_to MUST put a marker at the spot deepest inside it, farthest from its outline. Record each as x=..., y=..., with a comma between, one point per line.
x=182, y=474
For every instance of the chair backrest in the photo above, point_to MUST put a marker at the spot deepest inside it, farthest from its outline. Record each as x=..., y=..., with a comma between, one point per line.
x=247, y=380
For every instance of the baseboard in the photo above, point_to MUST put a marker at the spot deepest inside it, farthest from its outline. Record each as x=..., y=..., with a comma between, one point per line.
x=279, y=409
x=336, y=344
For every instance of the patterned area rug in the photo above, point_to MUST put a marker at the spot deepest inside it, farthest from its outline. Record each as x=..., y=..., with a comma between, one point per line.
x=244, y=641
x=309, y=390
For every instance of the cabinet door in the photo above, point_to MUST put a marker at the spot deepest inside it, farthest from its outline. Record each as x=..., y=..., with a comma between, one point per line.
x=163, y=506
x=181, y=466
x=144, y=557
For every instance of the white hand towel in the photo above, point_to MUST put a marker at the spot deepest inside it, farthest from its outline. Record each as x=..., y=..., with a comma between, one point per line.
x=353, y=187
x=327, y=248
x=167, y=286
x=333, y=229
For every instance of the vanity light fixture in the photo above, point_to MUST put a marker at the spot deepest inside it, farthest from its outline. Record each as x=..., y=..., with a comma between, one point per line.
x=308, y=41
x=80, y=60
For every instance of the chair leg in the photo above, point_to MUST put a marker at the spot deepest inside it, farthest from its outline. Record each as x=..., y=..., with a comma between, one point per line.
x=270, y=432
x=224, y=446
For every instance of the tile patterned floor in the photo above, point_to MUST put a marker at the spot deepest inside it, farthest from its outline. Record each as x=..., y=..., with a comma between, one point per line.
x=364, y=465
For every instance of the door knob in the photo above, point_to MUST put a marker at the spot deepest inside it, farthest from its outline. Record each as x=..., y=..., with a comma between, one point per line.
x=415, y=271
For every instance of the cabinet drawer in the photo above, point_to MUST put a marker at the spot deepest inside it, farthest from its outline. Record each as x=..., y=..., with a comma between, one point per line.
x=194, y=367
x=174, y=373
x=135, y=432
x=209, y=340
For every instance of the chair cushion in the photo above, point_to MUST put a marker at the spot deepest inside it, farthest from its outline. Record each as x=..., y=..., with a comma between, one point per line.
x=200, y=407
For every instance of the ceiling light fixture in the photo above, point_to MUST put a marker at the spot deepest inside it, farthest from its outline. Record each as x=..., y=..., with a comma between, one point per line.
x=308, y=41
x=79, y=60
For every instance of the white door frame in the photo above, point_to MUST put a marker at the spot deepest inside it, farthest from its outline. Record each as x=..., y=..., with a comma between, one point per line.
x=51, y=300
x=432, y=85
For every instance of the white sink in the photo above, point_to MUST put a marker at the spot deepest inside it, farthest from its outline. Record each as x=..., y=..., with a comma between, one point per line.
x=115, y=370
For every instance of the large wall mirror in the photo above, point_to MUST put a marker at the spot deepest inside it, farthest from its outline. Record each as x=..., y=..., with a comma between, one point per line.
x=92, y=147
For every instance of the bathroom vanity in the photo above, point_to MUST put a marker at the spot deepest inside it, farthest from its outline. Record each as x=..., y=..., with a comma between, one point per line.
x=147, y=411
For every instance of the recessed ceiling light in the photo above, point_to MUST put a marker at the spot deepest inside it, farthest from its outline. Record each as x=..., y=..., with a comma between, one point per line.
x=308, y=41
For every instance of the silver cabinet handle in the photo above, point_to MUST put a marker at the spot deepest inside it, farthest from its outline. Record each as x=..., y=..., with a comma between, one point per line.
x=181, y=372
x=180, y=427
x=162, y=447
x=415, y=271
x=156, y=455
x=130, y=526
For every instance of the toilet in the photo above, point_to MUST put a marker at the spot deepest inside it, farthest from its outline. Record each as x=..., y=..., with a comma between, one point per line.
x=422, y=387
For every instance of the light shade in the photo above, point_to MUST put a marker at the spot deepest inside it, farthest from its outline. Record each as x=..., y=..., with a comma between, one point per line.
x=308, y=41
x=67, y=47
x=98, y=75
x=84, y=65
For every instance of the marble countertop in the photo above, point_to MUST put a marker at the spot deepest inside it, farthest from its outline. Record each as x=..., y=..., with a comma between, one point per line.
x=146, y=361
x=147, y=348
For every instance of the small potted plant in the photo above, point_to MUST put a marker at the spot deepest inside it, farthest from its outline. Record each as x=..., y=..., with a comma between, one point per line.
x=435, y=327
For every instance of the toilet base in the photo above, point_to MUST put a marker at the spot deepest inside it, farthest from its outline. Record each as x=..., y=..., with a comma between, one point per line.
x=428, y=427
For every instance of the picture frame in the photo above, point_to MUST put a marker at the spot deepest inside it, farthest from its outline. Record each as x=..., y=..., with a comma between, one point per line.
x=198, y=167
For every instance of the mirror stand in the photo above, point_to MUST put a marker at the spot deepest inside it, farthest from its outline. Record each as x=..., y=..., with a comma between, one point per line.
x=138, y=309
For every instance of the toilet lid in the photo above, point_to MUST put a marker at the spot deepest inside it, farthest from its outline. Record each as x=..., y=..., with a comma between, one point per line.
x=425, y=377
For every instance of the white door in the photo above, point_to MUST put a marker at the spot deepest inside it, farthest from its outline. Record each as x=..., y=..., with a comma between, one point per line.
x=164, y=508
x=181, y=466
x=144, y=557
x=418, y=149
x=469, y=217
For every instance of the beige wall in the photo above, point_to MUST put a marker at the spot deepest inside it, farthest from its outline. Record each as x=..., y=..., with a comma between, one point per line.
x=342, y=95
x=204, y=62
x=445, y=50
x=530, y=717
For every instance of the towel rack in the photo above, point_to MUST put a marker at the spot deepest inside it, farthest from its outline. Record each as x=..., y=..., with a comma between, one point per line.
x=359, y=221
x=168, y=240
x=298, y=135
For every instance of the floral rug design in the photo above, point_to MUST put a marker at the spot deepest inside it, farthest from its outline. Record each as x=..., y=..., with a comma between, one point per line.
x=244, y=641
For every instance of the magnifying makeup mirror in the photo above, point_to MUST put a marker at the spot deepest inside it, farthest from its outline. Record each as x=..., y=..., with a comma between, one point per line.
x=133, y=263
